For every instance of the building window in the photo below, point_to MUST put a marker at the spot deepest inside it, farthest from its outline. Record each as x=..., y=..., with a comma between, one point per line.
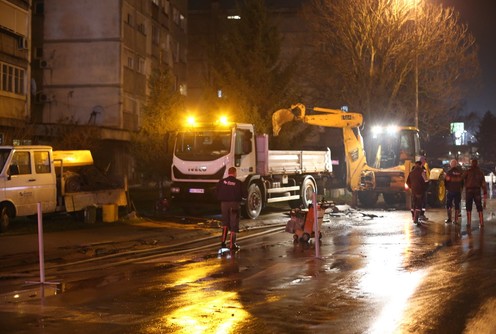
x=129, y=19
x=183, y=89
x=175, y=15
x=155, y=35
x=12, y=79
x=166, y=6
x=130, y=62
x=183, y=22
x=141, y=65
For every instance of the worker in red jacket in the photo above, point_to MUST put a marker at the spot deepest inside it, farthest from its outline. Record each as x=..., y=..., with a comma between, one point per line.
x=417, y=183
x=475, y=186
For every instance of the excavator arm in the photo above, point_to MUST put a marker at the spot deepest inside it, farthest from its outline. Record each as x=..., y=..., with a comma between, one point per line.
x=356, y=163
x=333, y=118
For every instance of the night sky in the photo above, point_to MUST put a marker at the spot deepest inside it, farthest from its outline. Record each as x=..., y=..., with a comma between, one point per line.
x=480, y=15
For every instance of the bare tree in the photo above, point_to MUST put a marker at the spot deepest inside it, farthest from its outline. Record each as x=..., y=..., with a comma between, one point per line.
x=161, y=116
x=368, y=52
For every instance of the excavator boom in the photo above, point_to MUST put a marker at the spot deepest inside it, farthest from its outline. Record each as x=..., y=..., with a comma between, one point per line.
x=333, y=118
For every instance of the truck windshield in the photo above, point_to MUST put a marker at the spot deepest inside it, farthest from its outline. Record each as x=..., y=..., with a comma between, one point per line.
x=4, y=154
x=202, y=145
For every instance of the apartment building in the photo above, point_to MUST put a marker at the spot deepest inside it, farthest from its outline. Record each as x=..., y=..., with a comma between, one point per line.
x=15, y=33
x=91, y=61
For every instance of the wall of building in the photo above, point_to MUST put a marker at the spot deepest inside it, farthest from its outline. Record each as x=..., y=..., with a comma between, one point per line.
x=15, y=34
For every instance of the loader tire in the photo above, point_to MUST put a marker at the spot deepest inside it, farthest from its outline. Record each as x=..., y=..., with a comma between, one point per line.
x=368, y=198
x=436, y=194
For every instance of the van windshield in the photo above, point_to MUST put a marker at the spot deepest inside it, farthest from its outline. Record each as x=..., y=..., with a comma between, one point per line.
x=202, y=145
x=4, y=155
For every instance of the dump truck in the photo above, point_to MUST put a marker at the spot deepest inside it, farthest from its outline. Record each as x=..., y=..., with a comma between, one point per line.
x=203, y=153
x=377, y=166
x=61, y=181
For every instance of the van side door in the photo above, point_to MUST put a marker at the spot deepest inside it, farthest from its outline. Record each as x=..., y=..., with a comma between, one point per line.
x=45, y=180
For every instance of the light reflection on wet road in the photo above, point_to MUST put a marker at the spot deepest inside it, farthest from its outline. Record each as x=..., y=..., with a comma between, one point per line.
x=380, y=275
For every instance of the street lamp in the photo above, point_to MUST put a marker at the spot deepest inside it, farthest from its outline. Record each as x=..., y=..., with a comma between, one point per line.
x=408, y=4
x=416, y=68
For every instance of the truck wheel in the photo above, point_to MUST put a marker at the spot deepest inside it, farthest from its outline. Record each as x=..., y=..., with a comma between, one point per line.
x=368, y=198
x=4, y=218
x=436, y=194
x=307, y=189
x=253, y=205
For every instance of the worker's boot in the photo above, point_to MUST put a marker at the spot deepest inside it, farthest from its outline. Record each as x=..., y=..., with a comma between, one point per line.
x=422, y=215
x=448, y=221
x=416, y=217
x=481, y=219
x=457, y=215
x=224, y=237
x=469, y=218
x=233, y=245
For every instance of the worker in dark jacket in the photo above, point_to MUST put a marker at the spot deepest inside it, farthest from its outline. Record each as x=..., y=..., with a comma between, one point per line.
x=417, y=182
x=230, y=193
x=474, y=183
x=454, y=185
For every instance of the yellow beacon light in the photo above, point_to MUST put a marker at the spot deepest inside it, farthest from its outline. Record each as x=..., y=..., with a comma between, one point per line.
x=191, y=121
x=223, y=120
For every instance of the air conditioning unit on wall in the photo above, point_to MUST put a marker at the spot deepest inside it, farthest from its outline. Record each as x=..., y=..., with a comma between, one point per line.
x=44, y=98
x=44, y=63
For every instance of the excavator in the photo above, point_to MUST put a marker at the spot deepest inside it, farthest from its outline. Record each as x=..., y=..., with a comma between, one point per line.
x=392, y=150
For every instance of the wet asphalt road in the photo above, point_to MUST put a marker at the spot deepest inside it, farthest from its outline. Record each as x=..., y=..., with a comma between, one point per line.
x=376, y=273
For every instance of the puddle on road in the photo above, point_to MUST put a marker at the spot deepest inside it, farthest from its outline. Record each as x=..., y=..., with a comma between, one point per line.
x=33, y=292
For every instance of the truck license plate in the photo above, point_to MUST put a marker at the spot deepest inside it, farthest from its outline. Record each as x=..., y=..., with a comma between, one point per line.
x=196, y=191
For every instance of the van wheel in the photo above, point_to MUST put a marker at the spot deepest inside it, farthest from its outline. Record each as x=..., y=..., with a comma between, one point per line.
x=4, y=218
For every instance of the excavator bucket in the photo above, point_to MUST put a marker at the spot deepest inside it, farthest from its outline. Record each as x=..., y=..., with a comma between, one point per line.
x=283, y=116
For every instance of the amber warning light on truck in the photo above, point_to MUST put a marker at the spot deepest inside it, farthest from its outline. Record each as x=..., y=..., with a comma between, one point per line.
x=191, y=122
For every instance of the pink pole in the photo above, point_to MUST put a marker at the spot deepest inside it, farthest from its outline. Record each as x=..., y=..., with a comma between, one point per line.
x=40, y=245
x=316, y=225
